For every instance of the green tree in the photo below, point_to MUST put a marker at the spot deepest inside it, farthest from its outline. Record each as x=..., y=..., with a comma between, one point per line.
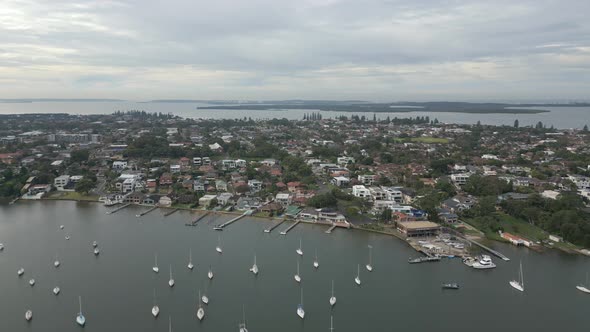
x=79, y=156
x=84, y=186
x=516, y=123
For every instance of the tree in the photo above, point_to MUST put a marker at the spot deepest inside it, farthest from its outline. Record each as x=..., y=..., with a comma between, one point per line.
x=385, y=215
x=84, y=186
x=516, y=123
x=585, y=129
x=79, y=156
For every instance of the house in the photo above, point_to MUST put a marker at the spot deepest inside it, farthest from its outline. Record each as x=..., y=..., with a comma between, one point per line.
x=361, y=191
x=331, y=216
x=247, y=203
x=255, y=185
x=198, y=185
x=394, y=194
x=268, y=162
x=459, y=203
x=165, y=201
x=272, y=208
x=309, y=214
x=224, y=198
x=220, y=185
x=228, y=164
x=134, y=198
x=151, y=199
x=377, y=194
x=550, y=194
x=283, y=199
x=61, y=181
x=216, y=147
x=207, y=200
x=345, y=161
x=555, y=238
x=184, y=162
x=197, y=161
x=39, y=189
x=128, y=186
x=516, y=240
x=119, y=165
x=174, y=168
x=448, y=217
x=340, y=181
x=293, y=186
x=460, y=179
x=165, y=179
x=367, y=179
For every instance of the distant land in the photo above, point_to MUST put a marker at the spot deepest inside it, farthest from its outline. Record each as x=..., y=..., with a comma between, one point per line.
x=46, y=100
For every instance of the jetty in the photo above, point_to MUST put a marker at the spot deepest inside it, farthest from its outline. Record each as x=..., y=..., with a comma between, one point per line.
x=170, y=212
x=14, y=201
x=490, y=250
x=146, y=211
x=221, y=226
x=119, y=208
x=270, y=229
x=424, y=259
x=290, y=227
x=195, y=221
x=329, y=231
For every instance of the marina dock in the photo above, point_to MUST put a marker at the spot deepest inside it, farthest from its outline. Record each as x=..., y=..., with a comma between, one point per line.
x=490, y=250
x=194, y=222
x=170, y=212
x=424, y=259
x=146, y=211
x=329, y=231
x=290, y=227
x=119, y=208
x=271, y=228
x=221, y=226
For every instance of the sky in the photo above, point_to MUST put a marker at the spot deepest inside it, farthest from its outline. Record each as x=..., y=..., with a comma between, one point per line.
x=296, y=49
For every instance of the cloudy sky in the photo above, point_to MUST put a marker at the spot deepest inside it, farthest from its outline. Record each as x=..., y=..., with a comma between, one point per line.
x=308, y=49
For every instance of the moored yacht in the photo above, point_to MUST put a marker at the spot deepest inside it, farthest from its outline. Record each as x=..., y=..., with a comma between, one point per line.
x=155, y=308
x=254, y=268
x=299, y=250
x=300, y=311
x=218, y=248
x=200, y=310
x=332, y=298
x=190, y=260
x=80, y=319
x=518, y=284
x=56, y=263
x=297, y=276
x=369, y=266
x=20, y=271
x=357, y=280
x=32, y=282
x=29, y=315
x=94, y=244
x=56, y=290
x=210, y=273
x=96, y=252
x=484, y=263
x=155, y=268
x=1, y=247
x=171, y=280
x=584, y=288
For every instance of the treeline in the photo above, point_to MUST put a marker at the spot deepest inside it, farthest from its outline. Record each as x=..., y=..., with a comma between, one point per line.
x=144, y=115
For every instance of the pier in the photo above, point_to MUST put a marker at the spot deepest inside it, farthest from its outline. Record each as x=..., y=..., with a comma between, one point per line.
x=329, y=231
x=146, y=212
x=220, y=227
x=270, y=229
x=490, y=250
x=170, y=212
x=290, y=227
x=194, y=222
x=119, y=208
x=424, y=259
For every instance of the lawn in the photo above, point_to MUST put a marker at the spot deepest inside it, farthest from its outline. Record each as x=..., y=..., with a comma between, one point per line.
x=510, y=225
x=72, y=195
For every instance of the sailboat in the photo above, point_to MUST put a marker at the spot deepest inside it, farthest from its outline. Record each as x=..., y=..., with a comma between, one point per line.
x=299, y=250
x=29, y=315
x=332, y=298
x=56, y=263
x=32, y=281
x=358, y=272
x=155, y=308
x=56, y=290
x=156, y=268
x=243, y=324
x=297, y=277
x=254, y=268
x=210, y=273
x=518, y=284
x=218, y=248
x=94, y=244
x=61, y=226
x=200, y=311
x=171, y=281
x=20, y=271
x=316, y=263
x=584, y=288
x=300, y=311
x=190, y=259
x=96, y=251
x=80, y=319
x=205, y=299
x=370, y=266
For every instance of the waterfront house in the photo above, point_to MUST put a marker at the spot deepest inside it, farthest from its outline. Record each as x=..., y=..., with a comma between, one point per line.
x=133, y=198
x=207, y=200
x=165, y=201
x=283, y=199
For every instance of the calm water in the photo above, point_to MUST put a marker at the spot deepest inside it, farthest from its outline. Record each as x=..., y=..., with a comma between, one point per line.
x=117, y=287
x=560, y=117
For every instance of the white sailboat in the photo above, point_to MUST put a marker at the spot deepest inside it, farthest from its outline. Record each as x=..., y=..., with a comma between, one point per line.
x=56, y=290
x=155, y=308
x=584, y=288
x=316, y=263
x=357, y=280
x=61, y=226
x=332, y=298
x=210, y=273
x=243, y=324
x=29, y=315
x=205, y=299
x=32, y=281
x=218, y=248
x=370, y=266
x=96, y=251
x=300, y=311
x=67, y=237
x=1, y=247
x=254, y=268
x=190, y=259
x=20, y=271
x=80, y=319
x=297, y=276
x=299, y=250
x=171, y=281
x=94, y=244
x=200, y=311
x=156, y=268
x=56, y=263
x=518, y=284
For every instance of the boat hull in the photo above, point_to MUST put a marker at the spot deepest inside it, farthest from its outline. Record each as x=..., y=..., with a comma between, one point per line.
x=583, y=289
x=516, y=285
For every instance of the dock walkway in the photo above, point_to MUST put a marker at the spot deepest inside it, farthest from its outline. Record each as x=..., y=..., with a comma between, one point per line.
x=290, y=227
x=118, y=209
x=194, y=222
x=170, y=212
x=221, y=226
x=329, y=231
x=271, y=228
x=146, y=211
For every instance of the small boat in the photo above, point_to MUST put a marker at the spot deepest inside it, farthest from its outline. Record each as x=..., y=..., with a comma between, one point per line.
x=300, y=310
x=218, y=248
x=584, y=288
x=297, y=276
x=155, y=308
x=29, y=315
x=332, y=298
x=370, y=266
x=20, y=271
x=190, y=260
x=156, y=268
x=518, y=284
x=61, y=226
x=80, y=319
x=200, y=311
x=316, y=263
x=1, y=247
x=205, y=299
x=299, y=251
x=451, y=285
x=484, y=263
x=254, y=268
x=56, y=263
x=94, y=244
x=67, y=237
x=242, y=325
x=56, y=290
x=171, y=281
x=357, y=280
x=210, y=273
x=96, y=251
x=32, y=282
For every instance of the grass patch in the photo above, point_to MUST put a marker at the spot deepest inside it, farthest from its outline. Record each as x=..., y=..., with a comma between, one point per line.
x=72, y=195
x=501, y=221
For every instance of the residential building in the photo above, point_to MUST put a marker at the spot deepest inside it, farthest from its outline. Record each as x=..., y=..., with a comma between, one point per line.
x=61, y=181
x=367, y=179
x=361, y=191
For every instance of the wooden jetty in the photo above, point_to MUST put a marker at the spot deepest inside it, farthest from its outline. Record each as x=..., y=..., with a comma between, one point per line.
x=194, y=222
x=270, y=229
x=119, y=208
x=170, y=212
x=220, y=227
x=146, y=211
x=329, y=231
x=290, y=227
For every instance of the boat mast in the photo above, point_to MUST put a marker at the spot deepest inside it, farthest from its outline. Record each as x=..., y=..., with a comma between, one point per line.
x=331, y=324
x=332, y=288
x=80, y=302
x=521, y=275
x=370, y=255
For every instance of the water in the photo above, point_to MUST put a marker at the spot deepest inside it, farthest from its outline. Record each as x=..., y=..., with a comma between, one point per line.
x=117, y=287
x=559, y=117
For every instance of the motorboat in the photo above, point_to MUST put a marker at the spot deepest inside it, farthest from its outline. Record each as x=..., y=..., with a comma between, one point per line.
x=96, y=251
x=61, y=226
x=484, y=263
x=452, y=285
x=32, y=282
x=584, y=287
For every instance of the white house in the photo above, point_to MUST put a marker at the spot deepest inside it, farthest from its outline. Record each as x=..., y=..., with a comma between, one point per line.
x=220, y=185
x=197, y=161
x=128, y=185
x=61, y=181
x=367, y=179
x=340, y=181
x=460, y=179
x=174, y=168
x=361, y=191
x=283, y=198
x=255, y=185
x=206, y=200
x=345, y=160
x=377, y=193
x=119, y=165
x=394, y=194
